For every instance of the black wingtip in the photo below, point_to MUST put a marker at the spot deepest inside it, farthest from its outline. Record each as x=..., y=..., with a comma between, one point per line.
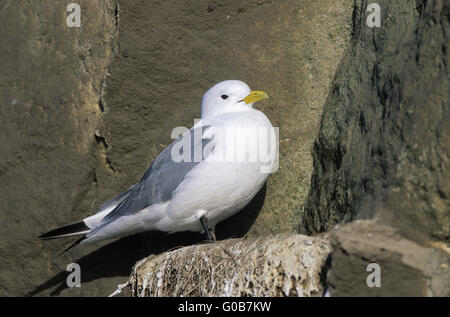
x=77, y=242
x=72, y=229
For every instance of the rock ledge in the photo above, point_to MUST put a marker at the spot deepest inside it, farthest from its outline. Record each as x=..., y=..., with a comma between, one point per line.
x=277, y=265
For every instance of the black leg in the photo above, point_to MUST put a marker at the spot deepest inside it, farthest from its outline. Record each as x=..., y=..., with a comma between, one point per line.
x=212, y=231
x=204, y=223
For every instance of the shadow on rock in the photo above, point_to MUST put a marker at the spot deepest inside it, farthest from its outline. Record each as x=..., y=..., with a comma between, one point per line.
x=118, y=257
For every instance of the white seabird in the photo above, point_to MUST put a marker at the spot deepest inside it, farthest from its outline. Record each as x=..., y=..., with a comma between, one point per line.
x=185, y=189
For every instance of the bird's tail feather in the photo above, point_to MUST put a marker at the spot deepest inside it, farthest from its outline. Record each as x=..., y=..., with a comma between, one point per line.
x=77, y=242
x=66, y=231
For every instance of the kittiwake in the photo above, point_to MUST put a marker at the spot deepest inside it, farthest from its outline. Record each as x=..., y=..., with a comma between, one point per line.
x=206, y=175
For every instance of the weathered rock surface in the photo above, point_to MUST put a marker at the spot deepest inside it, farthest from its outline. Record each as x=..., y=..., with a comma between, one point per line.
x=171, y=52
x=50, y=86
x=278, y=265
x=85, y=111
x=384, y=140
x=406, y=268
x=383, y=154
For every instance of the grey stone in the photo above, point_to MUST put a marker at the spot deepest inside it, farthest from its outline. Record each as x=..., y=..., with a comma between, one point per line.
x=84, y=111
x=406, y=268
x=382, y=149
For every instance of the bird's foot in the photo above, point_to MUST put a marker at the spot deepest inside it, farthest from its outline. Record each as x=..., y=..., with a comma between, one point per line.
x=209, y=232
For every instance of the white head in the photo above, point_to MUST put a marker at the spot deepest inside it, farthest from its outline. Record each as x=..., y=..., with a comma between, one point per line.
x=229, y=96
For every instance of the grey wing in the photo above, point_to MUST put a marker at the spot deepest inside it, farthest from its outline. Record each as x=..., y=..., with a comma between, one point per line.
x=116, y=200
x=159, y=181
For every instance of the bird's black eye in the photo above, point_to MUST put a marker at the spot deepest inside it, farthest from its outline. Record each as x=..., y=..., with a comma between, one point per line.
x=224, y=97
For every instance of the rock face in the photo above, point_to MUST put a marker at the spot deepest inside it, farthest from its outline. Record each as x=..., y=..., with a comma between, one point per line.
x=171, y=52
x=85, y=110
x=279, y=265
x=383, y=145
x=383, y=154
x=50, y=86
x=405, y=268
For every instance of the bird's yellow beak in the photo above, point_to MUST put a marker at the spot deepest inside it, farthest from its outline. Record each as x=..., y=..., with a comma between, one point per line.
x=255, y=96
